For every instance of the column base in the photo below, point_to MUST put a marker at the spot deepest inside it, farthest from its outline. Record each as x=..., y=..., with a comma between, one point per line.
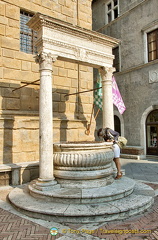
x=46, y=184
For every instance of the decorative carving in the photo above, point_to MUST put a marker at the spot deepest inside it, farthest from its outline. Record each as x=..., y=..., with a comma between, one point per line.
x=45, y=60
x=153, y=76
x=106, y=73
x=82, y=159
x=58, y=44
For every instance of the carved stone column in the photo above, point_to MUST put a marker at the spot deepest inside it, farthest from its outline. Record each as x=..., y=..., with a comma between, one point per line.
x=46, y=178
x=108, y=115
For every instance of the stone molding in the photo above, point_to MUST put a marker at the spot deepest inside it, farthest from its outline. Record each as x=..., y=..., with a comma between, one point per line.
x=82, y=160
x=72, y=42
x=39, y=20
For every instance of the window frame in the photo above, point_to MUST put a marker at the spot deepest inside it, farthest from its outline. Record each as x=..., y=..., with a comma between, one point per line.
x=150, y=58
x=111, y=11
x=27, y=35
x=146, y=30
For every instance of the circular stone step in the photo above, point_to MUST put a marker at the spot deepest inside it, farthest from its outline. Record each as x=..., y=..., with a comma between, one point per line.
x=139, y=200
x=118, y=189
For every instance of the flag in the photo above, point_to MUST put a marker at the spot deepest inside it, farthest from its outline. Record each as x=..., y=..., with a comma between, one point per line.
x=117, y=99
x=98, y=92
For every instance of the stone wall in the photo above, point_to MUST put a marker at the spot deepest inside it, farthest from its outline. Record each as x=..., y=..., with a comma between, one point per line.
x=139, y=93
x=19, y=130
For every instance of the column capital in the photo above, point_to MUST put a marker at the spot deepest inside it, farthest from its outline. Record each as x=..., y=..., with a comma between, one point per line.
x=45, y=60
x=106, y=73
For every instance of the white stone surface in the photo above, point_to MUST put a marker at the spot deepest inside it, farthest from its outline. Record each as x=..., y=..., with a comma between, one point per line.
x=136, y=202
x=46, y=119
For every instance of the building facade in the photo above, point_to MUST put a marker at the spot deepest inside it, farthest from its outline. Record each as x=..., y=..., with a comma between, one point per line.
x=135, y=23
x=19, y=100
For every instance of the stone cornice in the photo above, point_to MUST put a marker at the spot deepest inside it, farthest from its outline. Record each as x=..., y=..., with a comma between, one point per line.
x=40, y=20
x=141, y=66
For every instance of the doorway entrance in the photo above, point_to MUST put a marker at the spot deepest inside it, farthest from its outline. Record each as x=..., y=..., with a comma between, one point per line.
x=117, y=124
x=152, y=133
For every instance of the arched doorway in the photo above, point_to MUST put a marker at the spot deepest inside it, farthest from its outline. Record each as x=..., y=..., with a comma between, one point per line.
x=152, y=133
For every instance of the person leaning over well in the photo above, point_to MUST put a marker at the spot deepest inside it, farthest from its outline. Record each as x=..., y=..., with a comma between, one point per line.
x=110, y=135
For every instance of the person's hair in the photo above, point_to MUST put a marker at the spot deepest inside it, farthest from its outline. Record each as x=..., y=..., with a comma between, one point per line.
x=104, y=133
x=98, y=132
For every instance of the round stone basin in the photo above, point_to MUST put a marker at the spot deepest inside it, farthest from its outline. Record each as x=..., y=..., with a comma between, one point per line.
x=82, y=161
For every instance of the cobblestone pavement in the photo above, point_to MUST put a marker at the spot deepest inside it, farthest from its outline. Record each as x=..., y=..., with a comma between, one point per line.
x=15, y=225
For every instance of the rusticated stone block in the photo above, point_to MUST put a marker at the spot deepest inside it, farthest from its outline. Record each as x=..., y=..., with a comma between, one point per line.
x=12, y=32
x=12, y=11
x=12, y=104
x=2, y=29
x=2, y=8
x=8, y=53
x=26, y=65
x=14, y=63
x=7, y=42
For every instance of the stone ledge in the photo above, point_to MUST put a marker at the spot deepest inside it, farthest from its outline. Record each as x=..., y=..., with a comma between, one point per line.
x=114, y=191
x=139, y=201
x=133, y=150
x=19, y=173
x=130, y=156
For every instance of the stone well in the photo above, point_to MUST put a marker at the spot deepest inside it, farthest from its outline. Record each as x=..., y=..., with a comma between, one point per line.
x=85, y=190
x=81, y=188
x=83, y=164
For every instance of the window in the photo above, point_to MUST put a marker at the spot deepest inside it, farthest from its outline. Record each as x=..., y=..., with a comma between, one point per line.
x=116, y=62
x=152, y=39
x=27, y=35
x=112, y=10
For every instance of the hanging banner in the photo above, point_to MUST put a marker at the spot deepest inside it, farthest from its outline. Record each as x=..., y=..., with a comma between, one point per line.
x=117, y=99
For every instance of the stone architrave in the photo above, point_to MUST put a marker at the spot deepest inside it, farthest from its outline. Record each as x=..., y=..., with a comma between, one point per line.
x=72, y=43
x=108, y=119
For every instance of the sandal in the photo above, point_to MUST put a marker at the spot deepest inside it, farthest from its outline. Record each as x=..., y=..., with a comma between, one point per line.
x=119, y=176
